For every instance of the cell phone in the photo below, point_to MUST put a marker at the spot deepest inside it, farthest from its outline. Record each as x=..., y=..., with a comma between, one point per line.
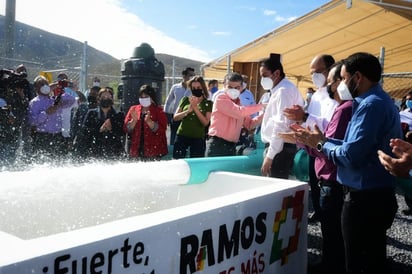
x=295, y=127
x=57, y=99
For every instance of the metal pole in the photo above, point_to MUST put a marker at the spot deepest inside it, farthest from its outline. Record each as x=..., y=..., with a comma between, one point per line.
x=83, y=71
x=169, y=83
x=228, y=63
x=173, y=71
x=10, y=20
x=382, y=61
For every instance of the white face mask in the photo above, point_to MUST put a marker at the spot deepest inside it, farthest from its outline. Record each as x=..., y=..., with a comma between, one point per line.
x=244, y=85
x=344, y=92
x=233, y=93
x=45, y=89
x=266, y=82
x=96, y=84
x=318, y=79
x=145, y=102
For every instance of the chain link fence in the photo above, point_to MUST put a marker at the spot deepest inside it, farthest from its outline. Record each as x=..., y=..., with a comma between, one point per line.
x=397, y=84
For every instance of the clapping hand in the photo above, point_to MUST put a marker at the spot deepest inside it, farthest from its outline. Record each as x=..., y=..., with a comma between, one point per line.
x=309, y=137
x=294, y=113
x=107, y=126
x=400, y=166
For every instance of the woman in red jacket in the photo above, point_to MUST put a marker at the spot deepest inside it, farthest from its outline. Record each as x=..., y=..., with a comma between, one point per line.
x=146, y=125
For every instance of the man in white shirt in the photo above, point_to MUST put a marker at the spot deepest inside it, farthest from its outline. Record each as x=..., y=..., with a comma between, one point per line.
x=319, y=112
x=278, y=160
x=321, y=106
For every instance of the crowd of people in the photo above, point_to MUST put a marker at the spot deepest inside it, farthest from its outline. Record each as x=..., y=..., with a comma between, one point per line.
x=354, y=160
x=356, y=199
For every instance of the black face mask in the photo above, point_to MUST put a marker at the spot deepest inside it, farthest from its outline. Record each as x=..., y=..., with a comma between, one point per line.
x=329, y=90
x=352, y=86
x=23, y=74
x=197, y=92
x=105, y=103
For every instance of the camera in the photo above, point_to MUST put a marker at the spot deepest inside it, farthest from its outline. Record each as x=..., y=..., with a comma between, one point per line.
x=59, y=90
x=6, y=118
x=10, y=79
x=61, y=84
x=57, y=99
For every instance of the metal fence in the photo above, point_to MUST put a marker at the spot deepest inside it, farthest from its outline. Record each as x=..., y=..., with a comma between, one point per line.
x=397, y=84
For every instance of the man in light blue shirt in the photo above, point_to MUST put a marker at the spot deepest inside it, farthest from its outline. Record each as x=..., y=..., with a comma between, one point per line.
x=177, y=92
x=246, y=96
x=370, y=203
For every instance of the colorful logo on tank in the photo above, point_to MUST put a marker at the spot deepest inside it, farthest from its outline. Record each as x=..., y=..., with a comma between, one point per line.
x=290, y=205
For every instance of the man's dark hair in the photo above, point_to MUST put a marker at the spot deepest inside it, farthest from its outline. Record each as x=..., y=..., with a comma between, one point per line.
x=338, y=66
x=212, y=82
x=273, y=64
x=365, y=63
x=62, y=76
x=186, y=71
x=233, y=77
x=95, y=88
x=327, y=60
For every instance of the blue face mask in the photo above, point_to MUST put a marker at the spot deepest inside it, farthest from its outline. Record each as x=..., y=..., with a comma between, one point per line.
x=214, y=89
x=409, y=104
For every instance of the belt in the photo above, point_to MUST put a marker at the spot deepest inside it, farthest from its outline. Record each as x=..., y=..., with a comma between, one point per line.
x=222, y=140
x=284, y=145
x=331, y=183
x=289, y=145
x=347, y=189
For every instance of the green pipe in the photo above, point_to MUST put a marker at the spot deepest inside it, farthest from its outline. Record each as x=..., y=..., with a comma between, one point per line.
x=200, y=168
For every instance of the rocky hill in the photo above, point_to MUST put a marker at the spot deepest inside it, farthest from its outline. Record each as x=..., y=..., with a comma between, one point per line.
x=40, y=50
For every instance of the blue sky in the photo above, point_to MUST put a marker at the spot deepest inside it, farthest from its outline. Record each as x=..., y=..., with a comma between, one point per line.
x=199, y=30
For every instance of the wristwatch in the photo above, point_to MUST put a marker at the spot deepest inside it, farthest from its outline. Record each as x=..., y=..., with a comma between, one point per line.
x=305, y=117
x=319, y=146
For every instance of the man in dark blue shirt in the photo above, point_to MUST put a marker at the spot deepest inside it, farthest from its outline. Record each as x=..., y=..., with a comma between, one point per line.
x=370, y=203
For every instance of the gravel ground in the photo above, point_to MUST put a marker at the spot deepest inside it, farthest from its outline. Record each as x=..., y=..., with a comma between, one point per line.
x=399, y=241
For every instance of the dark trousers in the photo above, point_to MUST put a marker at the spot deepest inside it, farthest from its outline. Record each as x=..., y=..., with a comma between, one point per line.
x=174, y=125
x=331, y=202
x=366, y=215
x=282, y=163
x=49, y=145
x=408, y=202
x=8, y=150
x=195, y=145
x=217, y=146
x=314, y=186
